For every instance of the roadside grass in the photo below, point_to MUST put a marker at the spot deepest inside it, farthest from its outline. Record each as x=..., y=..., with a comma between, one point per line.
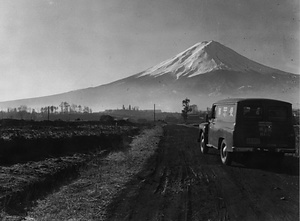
x=88, y=197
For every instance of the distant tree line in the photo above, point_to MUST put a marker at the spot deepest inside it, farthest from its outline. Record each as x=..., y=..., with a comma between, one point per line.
x=25, y=112
x=136, y=108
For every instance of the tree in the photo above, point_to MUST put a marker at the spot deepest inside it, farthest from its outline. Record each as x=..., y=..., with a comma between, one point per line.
x=52, y=108
x=44, y=110
x=73, y=108
x=79, y=108
x=86, y=110
x=33, y=114
x=22, y=111
x=61, y=107
x=66, y=107
x=186, y=108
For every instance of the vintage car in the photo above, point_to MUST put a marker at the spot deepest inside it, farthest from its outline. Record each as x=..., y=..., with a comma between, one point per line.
x=243, y=125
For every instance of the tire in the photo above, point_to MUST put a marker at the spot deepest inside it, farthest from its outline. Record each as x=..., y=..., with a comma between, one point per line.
x=203, y=146
x=226, y=157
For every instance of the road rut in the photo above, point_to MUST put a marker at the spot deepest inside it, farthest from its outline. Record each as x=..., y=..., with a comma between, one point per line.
x=180, y=183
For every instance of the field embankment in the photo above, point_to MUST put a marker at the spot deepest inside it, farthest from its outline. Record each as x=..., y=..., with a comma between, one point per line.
x=38, y=158
x=89, y=196
x=33, y=141
x=163, y=175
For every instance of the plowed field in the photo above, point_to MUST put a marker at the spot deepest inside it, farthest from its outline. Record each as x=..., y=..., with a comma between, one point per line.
x=174, y=181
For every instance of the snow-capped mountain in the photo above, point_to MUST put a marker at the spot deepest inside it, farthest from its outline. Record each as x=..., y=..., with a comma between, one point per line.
x=206, y=57
x=204, y=73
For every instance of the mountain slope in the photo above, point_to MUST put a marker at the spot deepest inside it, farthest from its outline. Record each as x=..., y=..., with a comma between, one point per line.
x=205, y=72
x=207, y=57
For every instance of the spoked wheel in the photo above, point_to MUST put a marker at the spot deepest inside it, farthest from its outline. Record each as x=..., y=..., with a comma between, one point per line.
x=203, y=146
x=226, y=157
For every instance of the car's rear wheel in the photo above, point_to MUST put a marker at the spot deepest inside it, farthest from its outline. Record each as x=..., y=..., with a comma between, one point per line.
x=203, y=144
x=226, y=157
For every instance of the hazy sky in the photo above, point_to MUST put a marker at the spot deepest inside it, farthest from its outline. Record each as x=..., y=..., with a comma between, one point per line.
x=54, y=46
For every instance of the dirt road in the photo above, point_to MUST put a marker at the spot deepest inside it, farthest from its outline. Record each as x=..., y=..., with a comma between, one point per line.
x=180, y=183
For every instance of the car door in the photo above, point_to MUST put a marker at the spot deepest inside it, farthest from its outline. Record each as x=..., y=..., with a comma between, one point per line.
x=213, y=127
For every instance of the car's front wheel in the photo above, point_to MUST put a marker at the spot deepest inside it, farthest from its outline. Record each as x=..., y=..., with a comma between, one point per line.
x=226, y=157
x=203, y=145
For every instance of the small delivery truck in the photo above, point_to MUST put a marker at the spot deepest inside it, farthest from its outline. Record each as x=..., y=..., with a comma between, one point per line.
x=244, y=125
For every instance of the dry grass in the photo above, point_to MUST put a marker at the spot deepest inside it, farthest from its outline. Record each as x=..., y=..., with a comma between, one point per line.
x=88, y=197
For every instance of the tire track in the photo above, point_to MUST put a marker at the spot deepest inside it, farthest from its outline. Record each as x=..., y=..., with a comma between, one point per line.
x=183, y=184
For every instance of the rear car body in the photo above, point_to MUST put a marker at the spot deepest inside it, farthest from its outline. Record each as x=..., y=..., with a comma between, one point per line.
x=250, y=125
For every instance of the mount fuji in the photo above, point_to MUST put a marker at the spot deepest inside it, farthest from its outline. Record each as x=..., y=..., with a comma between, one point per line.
x=204, y=73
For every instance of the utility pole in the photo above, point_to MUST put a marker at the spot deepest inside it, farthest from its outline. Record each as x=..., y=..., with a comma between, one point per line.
x=48, y=112
x=154, y=114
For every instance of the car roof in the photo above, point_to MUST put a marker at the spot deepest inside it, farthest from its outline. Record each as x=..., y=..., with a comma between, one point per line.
x=237, y=100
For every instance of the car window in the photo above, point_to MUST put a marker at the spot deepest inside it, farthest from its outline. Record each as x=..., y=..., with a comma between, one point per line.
x=277, y=113
x=226, y=113
x=252, y=112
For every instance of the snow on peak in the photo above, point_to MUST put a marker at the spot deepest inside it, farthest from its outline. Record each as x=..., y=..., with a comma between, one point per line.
x=205, y=57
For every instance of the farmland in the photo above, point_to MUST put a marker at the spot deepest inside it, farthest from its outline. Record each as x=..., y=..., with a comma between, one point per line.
x=156, y=173
x=23, y=141
x=37, y=157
